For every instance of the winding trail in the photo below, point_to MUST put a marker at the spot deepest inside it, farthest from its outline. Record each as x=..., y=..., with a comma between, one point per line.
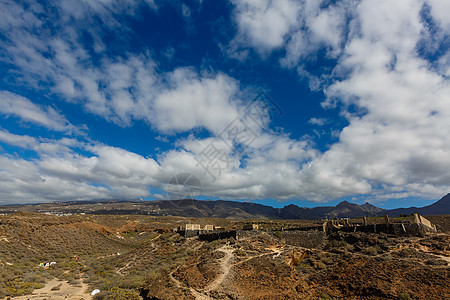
x=194, y=292
x=225, y=264
x=275, y=252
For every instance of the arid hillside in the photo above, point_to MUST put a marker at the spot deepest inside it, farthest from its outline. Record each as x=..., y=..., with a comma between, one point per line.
x=141, y=257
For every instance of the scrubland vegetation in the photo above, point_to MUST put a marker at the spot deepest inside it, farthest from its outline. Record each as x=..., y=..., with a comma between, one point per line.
x=136, y=257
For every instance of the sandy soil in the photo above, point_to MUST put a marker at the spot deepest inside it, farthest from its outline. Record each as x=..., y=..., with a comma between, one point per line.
x=66, y=291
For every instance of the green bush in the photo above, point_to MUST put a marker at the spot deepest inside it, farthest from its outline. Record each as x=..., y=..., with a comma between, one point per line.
x=406, y=252
x=278, y=234
x=371, y=250
x=403, y=296
x=133, y=282
x=239, y=252
x=324, y=296
x=335, y=243
x=19, y=288
x=320, y=266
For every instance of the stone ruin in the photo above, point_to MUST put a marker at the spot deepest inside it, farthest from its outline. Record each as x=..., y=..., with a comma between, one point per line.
x=208, y=232
x=250, y=226
x=312, y=237
x=415, y=225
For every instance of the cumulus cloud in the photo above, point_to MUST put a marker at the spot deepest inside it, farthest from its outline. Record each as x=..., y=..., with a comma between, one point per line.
x=194, y=101
x=440, y=10
x=321, y=28
x=106, y=173
x=27, y=111
x=301, y=28
x=264, y=23
x=397, y=138
x=23, y=181
x=401, y=139
x=120, y=89
x=21, y=141
x=395, y=99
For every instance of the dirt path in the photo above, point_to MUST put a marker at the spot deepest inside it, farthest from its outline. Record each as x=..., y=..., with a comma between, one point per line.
x=179, y=284
x=225, y=266
x=275, y=253
x=66, y=291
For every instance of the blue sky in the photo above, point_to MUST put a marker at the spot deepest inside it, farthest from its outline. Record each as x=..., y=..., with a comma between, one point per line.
x=307, y=102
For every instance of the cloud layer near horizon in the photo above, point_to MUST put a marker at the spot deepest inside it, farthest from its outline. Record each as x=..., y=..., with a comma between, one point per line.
x=390, y=81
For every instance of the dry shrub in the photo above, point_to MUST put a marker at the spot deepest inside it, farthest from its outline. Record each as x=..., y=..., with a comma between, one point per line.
x=298, y=256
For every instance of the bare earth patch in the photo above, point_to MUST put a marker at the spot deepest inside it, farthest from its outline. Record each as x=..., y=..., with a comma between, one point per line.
x=56, y=289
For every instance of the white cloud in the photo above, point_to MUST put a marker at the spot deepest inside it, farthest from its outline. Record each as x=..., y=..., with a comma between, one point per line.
x=42, y=146
x=396, y=144
x=106, y=9
x=323, y=28
x=21, y=141
x=440, y=11
x=119, y=89
x=194, y=102
x=264, y=23
x=300, y=27
x=398, y=137
x=401, y=141
x=318, y=121
x=110, y=173
x=23, y=182
x=27, y=111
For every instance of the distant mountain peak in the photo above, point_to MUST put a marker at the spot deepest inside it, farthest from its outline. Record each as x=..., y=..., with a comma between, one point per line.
x=345, y=204
x=237, y=210
x=440, y=207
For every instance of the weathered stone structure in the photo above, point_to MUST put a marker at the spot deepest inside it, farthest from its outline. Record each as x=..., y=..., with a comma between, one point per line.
x=313, y=236
x=217, y=235
x=250, y=227
x=417, y=225
x=191, y=230
x=208, y=228
x=305, y=239
x=418, y=219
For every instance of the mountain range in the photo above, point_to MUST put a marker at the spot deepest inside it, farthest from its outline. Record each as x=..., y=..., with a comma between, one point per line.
x=228, y=209
x=243, y=210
